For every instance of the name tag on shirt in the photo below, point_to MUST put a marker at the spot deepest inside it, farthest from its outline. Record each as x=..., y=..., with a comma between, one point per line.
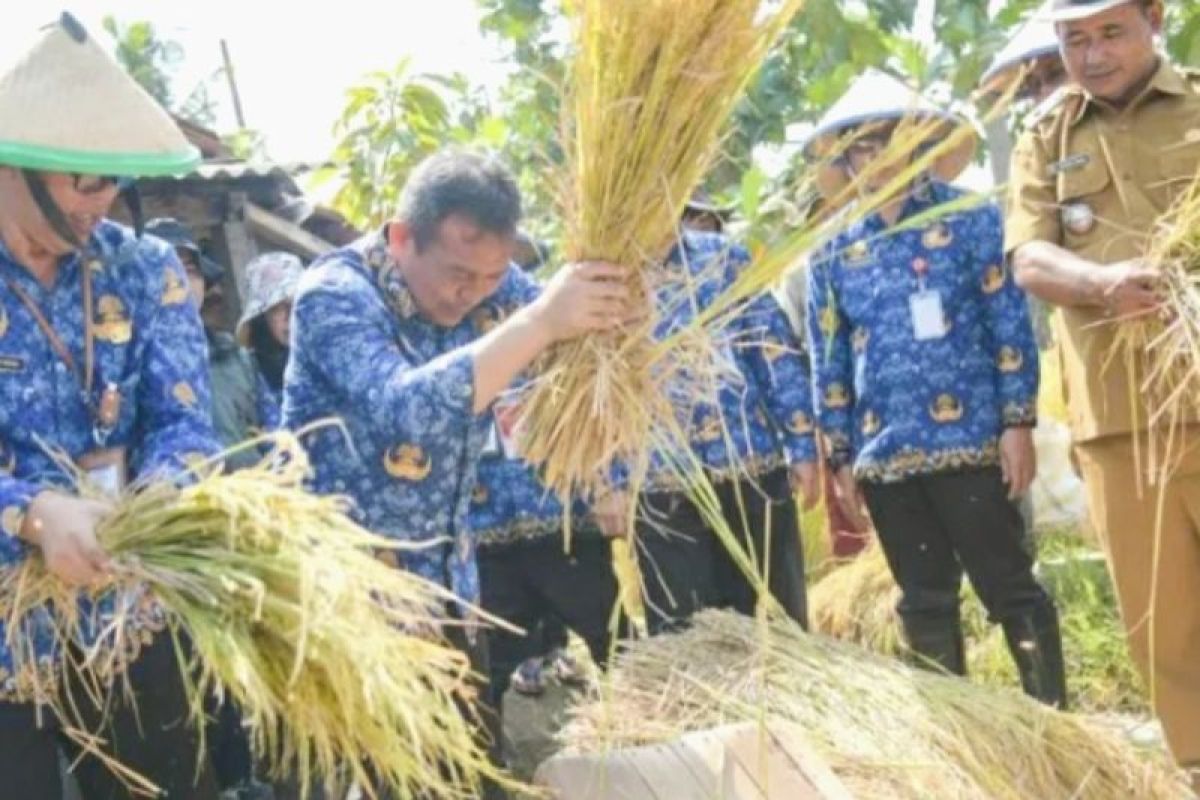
x=928, y=319
x=502, y=439
x=105, y=470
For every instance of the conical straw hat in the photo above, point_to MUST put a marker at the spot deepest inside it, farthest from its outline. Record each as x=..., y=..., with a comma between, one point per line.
x=1035, y=39
x=878, y=97
x=67, y=106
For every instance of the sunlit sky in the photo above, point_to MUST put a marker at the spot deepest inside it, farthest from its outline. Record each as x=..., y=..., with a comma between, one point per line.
x=293, y=61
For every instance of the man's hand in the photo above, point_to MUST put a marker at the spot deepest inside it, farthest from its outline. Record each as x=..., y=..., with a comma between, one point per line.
x=849, y=498
x=64, y=527
x=1128, y=289
x=1018, y=460
x=584, y=297
x=805, y=480
x=611, y=513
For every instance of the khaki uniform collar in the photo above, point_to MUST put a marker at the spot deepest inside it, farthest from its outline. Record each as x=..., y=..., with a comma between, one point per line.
x=1166, y=81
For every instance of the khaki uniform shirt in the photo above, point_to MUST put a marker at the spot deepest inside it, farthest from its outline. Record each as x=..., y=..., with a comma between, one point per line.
x=1122, y=170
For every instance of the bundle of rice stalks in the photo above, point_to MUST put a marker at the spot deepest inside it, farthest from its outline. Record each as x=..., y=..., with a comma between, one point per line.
x=654, y=83
x=281, y=604
x=1162, y=351
x=886, y=730
x=856, y=603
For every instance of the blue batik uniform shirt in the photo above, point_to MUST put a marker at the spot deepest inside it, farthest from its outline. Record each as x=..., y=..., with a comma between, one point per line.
x=267, y=403
x=894, y=406
x=149, y=343
x=762, y=418
x=404, y=389
x=511, y=506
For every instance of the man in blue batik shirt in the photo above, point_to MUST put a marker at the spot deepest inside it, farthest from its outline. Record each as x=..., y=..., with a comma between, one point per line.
x=399, y=336
x=926, y=376
x=530, y=579
x=755, y=443
x=102, y=363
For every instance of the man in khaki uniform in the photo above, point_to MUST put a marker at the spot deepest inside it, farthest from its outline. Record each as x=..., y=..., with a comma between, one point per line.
x=1089, y=179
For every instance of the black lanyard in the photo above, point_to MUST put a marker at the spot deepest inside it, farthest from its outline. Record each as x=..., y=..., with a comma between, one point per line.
x=104, y=416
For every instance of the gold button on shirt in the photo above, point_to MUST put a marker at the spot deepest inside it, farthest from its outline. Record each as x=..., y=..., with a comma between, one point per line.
x=1095, y=180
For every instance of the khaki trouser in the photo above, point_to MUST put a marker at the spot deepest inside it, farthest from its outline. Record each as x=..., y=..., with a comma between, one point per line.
x=1125, y=523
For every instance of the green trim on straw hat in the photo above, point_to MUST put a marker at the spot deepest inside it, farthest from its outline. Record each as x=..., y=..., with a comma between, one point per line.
x=134, y=165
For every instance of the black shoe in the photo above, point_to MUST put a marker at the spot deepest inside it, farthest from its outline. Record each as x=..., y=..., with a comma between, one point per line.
x=937, y=644
x=1036, y=646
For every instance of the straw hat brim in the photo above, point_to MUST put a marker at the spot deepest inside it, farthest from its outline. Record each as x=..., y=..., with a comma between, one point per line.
x=51, y=159
x=1071, y=13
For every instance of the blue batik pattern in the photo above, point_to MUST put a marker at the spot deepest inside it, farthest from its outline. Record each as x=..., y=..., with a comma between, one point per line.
x=403, y=389
x=149, y=343
x=268, y=403
x=761, y=418
x=894, y=406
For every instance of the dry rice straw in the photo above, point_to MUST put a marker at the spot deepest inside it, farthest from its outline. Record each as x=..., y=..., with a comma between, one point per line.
x=330, y=653
x=886, y=729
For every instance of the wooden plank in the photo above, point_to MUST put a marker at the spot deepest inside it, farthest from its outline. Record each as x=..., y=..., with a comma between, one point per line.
x=282, y=233
x=759, y=767
x=664, y=767
x=742, y=762
x=797, y=746
x=608, y=777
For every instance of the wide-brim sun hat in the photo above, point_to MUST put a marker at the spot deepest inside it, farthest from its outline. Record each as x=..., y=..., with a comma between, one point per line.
x=67, y=106
x=876, y=98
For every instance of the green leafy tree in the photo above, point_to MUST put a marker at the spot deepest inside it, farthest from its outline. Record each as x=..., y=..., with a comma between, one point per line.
x=152, y=61
x=392, y=120
x=827, y=46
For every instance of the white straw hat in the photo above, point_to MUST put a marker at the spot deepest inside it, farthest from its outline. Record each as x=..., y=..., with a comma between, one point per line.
x=1033, y=40
x=879, y=97
x=1067, y=10
x=67, y=106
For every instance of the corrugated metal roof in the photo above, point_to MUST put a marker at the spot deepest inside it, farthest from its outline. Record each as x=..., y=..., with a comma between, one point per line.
x=233, y=170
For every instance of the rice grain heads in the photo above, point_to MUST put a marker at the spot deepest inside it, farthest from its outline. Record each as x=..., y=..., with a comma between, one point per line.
x=654, y=83
x=331, y=654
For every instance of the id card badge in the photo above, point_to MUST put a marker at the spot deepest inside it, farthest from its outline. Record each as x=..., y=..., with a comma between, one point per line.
x=105, y=470
x=928, y=319
x=507, y=413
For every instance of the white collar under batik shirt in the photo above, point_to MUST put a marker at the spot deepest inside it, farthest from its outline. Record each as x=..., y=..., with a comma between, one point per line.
x=404, y=390
x=896, y=406
x=149, y=343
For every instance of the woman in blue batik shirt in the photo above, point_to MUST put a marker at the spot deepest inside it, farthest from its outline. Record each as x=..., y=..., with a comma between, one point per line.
x=925, y=381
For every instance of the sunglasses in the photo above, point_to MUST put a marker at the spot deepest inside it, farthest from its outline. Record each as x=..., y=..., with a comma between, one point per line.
x=94, y=184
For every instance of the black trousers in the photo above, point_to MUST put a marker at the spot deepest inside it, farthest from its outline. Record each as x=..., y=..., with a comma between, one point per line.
x=153, y=736
x=228, y=744
x=934, y=527
x=686, y=568
x=526, y=582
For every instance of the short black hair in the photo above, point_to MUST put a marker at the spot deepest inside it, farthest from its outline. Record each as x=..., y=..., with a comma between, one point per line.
x=453, y=181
